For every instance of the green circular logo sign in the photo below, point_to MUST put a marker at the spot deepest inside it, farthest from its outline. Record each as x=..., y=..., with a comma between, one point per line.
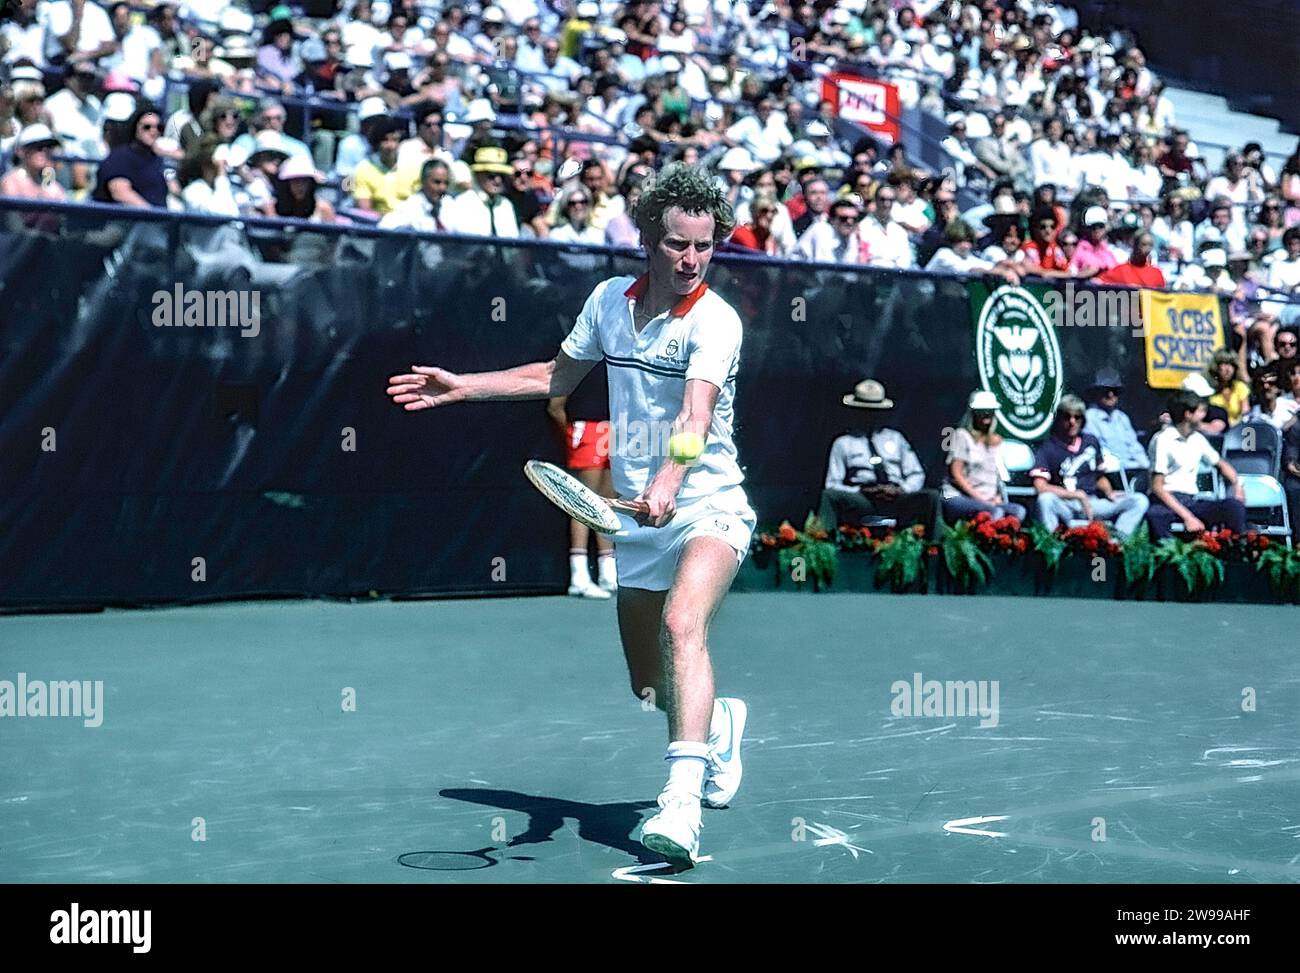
x=1019, y=360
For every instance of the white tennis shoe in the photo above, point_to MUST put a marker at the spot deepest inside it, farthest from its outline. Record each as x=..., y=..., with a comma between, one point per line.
x=724, y=770
x=586, y=588
x=675, y=831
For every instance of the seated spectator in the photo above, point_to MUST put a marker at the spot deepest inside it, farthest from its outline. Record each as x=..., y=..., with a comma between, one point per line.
x=887, y=242
x=295, y=192
x=484, y=209
x=1095, y=255
x=1221, y=229
x=976, y=470
x=530, y=206
x=276, y=64
x=1270, y=405
x=205, y=188
x=270, y=117
x=262, y=169
x=763, y=134
x=574, y=209
x=34, y=176
x=1070, y=479
x=429, y=139
x=424, y=210
x=76, y=114
x=1231, y=393
x=757, y=234
x=605, y=205
x=1001, y=152
x=909, y=210
x=1284, y=279
x=379, y=184
x=958, y=256
x=839, y=240
x=184, y=126
x=812, y=204
x=132, y=175
x=1003, y=240
x=1291, y=476
x=1111, y=424
x=1140, y=270
x=372, y=113
x=873, y=471
x=1040, y=256
x=1177, y=453
x=622, y=230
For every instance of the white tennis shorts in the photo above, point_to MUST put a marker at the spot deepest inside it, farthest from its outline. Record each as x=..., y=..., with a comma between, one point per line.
x=647, y=556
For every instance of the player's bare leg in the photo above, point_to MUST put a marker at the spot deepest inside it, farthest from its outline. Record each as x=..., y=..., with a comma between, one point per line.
x=640, y=618
x=703, y=576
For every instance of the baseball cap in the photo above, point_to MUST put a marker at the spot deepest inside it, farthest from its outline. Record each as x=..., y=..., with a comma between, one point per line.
x=983, y=401
x=37, y=134
x=370, y=107
x=1095, y=215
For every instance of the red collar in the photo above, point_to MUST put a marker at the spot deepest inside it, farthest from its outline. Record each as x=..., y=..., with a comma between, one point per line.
x=642, y=284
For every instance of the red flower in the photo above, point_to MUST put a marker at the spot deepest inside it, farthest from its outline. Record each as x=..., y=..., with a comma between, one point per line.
x=981, y=517
x=1252, y=536
x=1004, y=542
x=787, y=533
x=1013, y=523
x=1264, y=542
x=1022, y=544
x=1090, y=544
x=768, y=540
x=919, y=530
x=932, y=550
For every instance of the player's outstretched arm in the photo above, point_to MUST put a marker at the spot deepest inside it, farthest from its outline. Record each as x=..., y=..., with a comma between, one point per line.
x=427, y=387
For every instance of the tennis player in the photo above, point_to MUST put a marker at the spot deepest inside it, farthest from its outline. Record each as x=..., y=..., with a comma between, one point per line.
x=672, y=348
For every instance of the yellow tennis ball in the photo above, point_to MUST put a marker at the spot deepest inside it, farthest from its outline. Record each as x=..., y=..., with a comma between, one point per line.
x=685, y=447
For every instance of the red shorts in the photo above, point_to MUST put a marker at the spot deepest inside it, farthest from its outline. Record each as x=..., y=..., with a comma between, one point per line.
x=588, y=445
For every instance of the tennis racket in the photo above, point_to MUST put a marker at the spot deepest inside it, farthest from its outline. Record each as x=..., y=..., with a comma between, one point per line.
x=578, y=500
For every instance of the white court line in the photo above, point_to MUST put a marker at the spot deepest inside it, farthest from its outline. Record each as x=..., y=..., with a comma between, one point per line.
x=634, y=873
x=959, y=825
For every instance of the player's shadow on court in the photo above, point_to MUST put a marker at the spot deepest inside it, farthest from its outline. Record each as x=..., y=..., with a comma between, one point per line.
x=605, y=824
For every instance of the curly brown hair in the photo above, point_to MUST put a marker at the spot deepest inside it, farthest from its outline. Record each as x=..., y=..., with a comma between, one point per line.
x=690, y=189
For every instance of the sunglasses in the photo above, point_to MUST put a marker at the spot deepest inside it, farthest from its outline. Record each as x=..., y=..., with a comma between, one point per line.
x=1285, y=344
x=149, y=127
x=846, y=219
x=579, y=202
x=523, y=173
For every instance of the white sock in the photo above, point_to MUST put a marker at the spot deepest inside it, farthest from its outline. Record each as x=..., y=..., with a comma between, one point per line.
x=686, y=765
x=579, y=572
x=605, y=567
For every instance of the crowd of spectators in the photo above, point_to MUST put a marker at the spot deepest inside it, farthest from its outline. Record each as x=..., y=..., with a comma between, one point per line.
x=541, y=118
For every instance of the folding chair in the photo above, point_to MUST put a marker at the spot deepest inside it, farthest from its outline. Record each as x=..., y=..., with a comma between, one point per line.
x=1265, y=493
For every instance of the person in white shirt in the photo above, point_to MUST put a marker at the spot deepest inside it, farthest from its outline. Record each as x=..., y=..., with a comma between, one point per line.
x=484, y=209
x=75, y=114
x=1270, y=405
x=24, y=38
x=1284, y=279
x=423, y=210
x=1050, y=159
x=958, y=256
x=672, y=350
x=573, y=216
x=76, y=26
x=763, y=133
x=206, y=188
x=837, y=240
x=887, y=242
x=1177, y=452
x=139, y=50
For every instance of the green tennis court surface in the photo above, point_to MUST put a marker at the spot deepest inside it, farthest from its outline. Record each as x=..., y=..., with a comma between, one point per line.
x=498, y=741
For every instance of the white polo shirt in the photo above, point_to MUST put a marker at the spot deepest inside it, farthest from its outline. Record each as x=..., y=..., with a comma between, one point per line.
x=1178, y=458
x=698, y=338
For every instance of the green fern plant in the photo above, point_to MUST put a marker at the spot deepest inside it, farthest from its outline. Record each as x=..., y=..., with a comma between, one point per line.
x=967, y=565
x=1138, y=556
x=1281, y=565
x=815, y=549
x=1192, y=561
x=1048, y=544
x=899, y=561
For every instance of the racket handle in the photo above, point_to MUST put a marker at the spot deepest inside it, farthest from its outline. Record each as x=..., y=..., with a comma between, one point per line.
x=629, y=506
